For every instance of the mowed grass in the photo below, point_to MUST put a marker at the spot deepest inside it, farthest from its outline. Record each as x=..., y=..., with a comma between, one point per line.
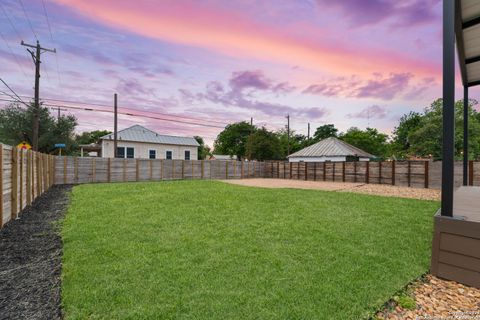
x=209, y=250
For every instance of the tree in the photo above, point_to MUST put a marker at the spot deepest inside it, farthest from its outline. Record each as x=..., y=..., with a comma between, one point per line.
x=325, y=131
x=426, y=140
x=369, y=140
x=233, y=139
x=264, y=145
x=88, y=137
x=410, y=122
x=203, y=149
x=297, y=141
x=16, y=126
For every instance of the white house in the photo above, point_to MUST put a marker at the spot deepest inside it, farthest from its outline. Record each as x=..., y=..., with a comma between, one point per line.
x=140, y=142
x=330, y=149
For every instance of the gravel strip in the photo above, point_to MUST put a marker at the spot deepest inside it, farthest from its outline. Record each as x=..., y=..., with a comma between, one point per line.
x=375, y=189
x=30, y=259
x=437, y=299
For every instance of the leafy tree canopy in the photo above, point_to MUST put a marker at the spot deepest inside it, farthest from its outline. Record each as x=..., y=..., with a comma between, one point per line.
x=233, y=139
x=264, y=145
x=88, y=137
x=16, y=126
x=203, y=150
x=369, y=140
x=325, y=131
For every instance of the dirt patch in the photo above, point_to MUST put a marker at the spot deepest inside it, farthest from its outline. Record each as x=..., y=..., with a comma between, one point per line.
x=375, y=189
x=30, y=259
x=436, y=299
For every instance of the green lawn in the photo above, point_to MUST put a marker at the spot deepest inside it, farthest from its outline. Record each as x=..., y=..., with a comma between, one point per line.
x=209, y=250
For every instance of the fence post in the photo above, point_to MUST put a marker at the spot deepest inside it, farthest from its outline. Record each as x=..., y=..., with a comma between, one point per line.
x=193, y=169
x=183, y=169
x=226, y=170
x=290, y=173
x=306, y=171
x=151, y=169
x=254, y=169
x=324, y=171
x=29, y=179
x=137, y=169
x=409, y=169
x=45, y=176
x=54, y=166
x=271, y=163
x=333, y=171
x=162, y=165
x=380, y=172
x=14, y=183
x=242, y=171
x=248, y=169
x=354, y=171
x=65, y=170
x=21, y=181
x=393, y=172
x=94, y=170
x=343, y=171
x=202, y=168
x=75, y=166
x=470, y=173
x=298, y=170
x=234, y=169
x=367, y=172
x=314, y=171
x=426, y=174
x=124, y=170
x=284, y=169
x=278, y=169
x=1, y=185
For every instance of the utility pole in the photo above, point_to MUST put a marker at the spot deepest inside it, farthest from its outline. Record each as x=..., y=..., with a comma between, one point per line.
x=308, y=134
x=115, y=125
x=58, y=110
x=251, y=121
x=288, y=134
x=36, y=115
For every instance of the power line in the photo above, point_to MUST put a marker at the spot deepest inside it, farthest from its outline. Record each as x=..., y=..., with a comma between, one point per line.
x=10, y=21
x=48, y=21
x=28, y=19
x=13, y=55
x=16, y=95
x=53, y=41
x=151, y=112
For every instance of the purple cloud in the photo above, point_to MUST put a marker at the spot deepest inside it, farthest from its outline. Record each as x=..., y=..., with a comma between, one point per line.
x=257, y=80
x=132, y=87
x=384, y=88
x=403, y=13
x=372, y=112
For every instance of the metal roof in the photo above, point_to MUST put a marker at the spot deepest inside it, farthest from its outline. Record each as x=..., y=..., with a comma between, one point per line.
x=331, y=147
x=467, y=32
x=223, y=157
x=137, y=133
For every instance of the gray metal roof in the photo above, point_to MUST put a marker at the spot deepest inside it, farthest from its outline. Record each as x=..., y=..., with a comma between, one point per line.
x=467, y=30
x=331, y=147
x=138, y=133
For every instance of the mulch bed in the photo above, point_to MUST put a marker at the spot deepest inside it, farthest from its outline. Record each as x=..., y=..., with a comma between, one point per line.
x=436, y=299
x=30, y=259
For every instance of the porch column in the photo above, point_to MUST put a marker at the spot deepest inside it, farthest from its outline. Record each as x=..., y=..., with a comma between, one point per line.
x=448, y=107
x=465, y=135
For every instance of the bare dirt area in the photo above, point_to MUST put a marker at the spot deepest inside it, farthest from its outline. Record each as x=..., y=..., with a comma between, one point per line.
x=436, y=299
x=374, y=189
x=30, y=259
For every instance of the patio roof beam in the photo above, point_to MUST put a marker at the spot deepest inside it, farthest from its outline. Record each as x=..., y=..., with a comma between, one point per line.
x=448, y=107
x=465, y=135
x=471, y=23
x=472, y=60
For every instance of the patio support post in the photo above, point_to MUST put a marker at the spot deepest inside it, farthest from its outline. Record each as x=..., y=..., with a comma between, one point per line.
x=448, y=106
x=465, y=135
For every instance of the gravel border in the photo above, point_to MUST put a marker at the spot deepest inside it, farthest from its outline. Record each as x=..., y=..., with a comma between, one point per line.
x=374, y=189
x=31, y=257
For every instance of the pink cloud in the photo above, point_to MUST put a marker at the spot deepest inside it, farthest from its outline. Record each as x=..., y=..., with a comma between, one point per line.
x=232, y=33
x=372, y=112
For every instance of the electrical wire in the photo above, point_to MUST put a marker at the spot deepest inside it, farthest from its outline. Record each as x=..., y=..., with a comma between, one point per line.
x=28, y=19
x=19, y=99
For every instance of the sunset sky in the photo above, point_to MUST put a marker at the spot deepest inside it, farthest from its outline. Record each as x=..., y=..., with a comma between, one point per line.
x=347, y=62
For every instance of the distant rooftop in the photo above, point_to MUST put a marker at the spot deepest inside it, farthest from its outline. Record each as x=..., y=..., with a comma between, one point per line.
x=138, y=133
x=331, y=147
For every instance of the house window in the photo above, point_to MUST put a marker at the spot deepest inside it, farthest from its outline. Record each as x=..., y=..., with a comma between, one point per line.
x=120, y=152
x=152, y=154
x=187, y=154
x=168, y=155
x=130, y=152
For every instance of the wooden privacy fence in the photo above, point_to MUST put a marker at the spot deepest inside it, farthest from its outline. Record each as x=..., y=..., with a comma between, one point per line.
x=24, y=175
x=91, y=170
x=423, y=174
